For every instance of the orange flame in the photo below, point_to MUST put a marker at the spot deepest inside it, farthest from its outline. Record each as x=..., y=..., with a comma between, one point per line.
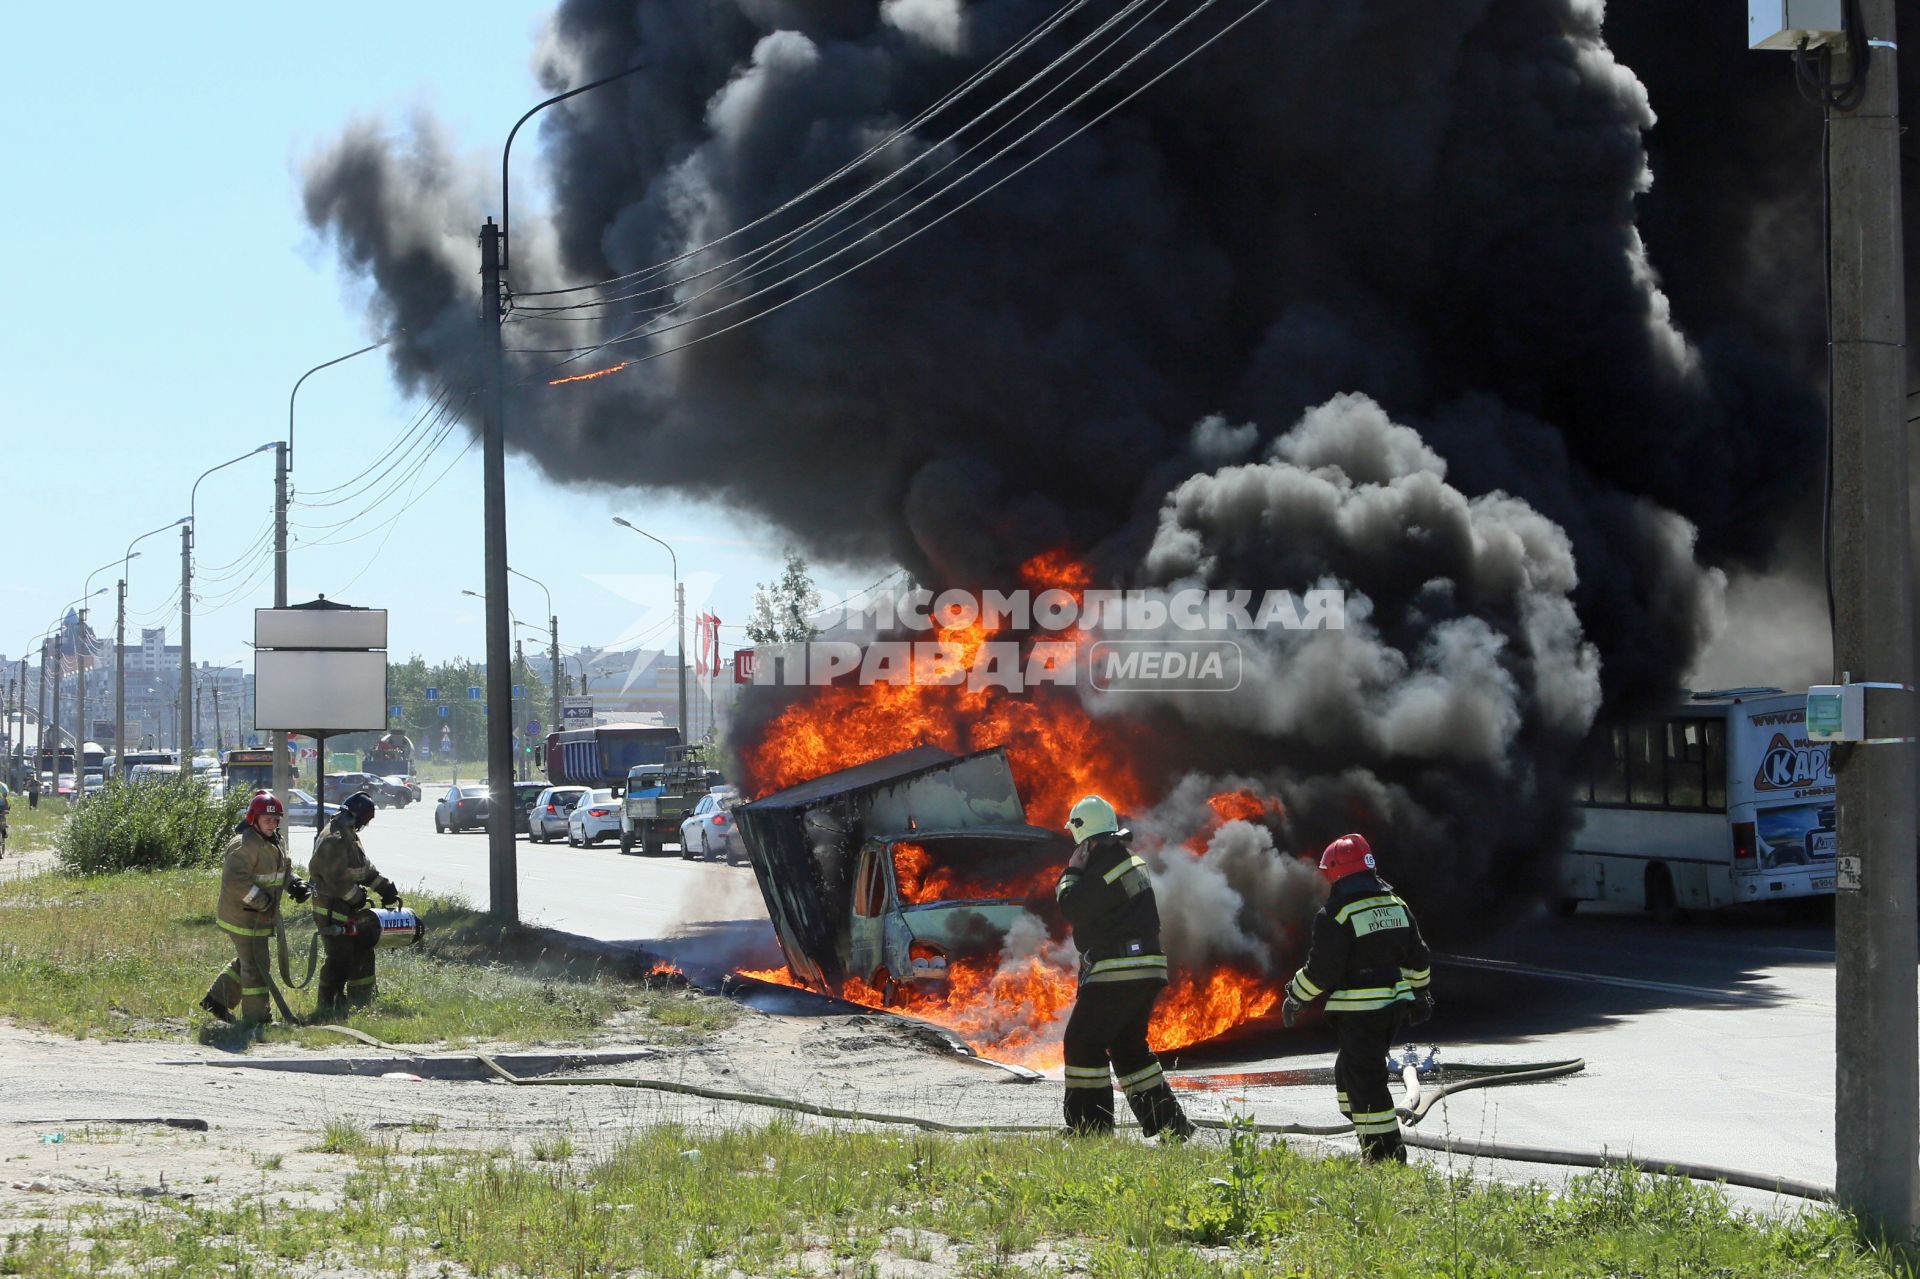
x=588, y=377
x=1010, y=1009
x=921, y=881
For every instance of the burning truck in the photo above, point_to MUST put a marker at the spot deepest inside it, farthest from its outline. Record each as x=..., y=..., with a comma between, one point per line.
x=892, y=876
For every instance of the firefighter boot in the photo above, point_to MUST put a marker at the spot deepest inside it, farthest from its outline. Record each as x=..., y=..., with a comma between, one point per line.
x=1089, y=1109
x=1159, y=1113
x=219, y=1011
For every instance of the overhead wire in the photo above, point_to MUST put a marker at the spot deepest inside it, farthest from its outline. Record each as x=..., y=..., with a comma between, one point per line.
x=943, y=216
x=443, y=390
x=772, y=252
x=429, y=419
x=935, y=148
x=1045, y=26
x=395, y=479
x=394, y=522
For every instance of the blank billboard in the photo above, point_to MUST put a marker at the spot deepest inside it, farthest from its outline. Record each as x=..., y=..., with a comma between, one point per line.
x=320, y=628
x=307, y=691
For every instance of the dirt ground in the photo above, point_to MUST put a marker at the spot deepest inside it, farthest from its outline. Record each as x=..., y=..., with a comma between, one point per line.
x=60, y=1147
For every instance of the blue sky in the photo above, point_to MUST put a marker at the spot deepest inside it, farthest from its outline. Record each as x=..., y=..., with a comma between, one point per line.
x=167, y=294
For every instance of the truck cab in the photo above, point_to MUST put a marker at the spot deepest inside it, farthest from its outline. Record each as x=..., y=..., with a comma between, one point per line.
x=659, y=797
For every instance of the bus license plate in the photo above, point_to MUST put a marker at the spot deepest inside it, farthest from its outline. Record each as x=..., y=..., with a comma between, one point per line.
x=1822, y=843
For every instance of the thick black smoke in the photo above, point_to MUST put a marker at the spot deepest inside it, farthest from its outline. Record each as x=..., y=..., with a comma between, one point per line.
x=1435, y=207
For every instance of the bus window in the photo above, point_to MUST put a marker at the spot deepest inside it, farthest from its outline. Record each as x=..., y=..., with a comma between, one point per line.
x=1715, y=751
x=1646, y=755
x=1610, y=778
x=1685, y=762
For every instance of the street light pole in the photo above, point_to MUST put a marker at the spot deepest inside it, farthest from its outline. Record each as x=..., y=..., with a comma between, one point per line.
x=502, y=869
x=679, y=623
x=186, y=603
x=553, y=644
x=282, y=486
x=80, y=712
x=120, y=650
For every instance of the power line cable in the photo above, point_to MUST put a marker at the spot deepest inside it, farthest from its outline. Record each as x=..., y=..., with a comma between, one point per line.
x=915, y=233
x=966, y=86
x=443, y=390
x=761, y=260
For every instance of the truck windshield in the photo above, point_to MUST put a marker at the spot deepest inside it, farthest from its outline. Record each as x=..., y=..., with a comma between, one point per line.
x=975, y=867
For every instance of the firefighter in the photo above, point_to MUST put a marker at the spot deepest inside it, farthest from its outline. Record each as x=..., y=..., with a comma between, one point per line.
x=1369, y=962
x=1107, y=898
x=349, y=930
x=256, y=872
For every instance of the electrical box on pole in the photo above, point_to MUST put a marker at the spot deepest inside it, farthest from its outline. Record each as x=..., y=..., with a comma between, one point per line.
x=1783, y=24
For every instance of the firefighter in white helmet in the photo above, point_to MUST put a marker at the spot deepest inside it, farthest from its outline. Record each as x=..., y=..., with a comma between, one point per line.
x=1107, y=897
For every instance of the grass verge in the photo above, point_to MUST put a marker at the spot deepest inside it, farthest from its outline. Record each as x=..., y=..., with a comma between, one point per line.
x=32, y=829
x=130, y=955
x=778, y=1200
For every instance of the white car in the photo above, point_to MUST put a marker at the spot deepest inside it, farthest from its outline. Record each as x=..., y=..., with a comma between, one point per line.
x=594, y=818
x=300, y=809
x=547, y=819
x=710, y=832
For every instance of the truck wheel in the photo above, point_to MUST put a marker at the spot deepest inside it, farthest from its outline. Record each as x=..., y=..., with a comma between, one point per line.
x=626, y=842
x=1663, y=907
x=651, y=844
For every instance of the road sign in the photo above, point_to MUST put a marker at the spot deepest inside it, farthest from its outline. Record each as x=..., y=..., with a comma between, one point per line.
x=443, y=712
x=576, y=711
x=433, y=694
x=396, y=710
x=446, y=746
x=473, y=692
x=519, y=690
x=533, y=726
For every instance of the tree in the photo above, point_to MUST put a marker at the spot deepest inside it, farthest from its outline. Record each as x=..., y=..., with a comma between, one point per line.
x=782, y=609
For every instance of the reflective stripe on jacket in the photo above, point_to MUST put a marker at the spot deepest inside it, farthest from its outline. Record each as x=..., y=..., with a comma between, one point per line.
x=340, y=872
x=1116, y=922
x=252, y=861
x=1367, y=951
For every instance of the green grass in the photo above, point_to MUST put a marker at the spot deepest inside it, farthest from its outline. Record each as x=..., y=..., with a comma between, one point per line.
x=32, y=829
x=130, y=955
x=756, y=1200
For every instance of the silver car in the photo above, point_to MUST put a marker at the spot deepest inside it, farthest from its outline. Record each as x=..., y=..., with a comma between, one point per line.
x=709, y=832
x=595, y=816
x=547, y=819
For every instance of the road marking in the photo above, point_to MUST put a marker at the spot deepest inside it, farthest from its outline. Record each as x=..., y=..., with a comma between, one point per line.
x=1628, y=983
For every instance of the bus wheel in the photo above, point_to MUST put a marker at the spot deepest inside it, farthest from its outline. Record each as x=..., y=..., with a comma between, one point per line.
x=1662, y=906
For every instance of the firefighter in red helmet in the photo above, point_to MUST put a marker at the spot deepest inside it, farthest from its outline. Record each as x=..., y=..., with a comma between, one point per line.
x=254, y=876
x=1367, y=959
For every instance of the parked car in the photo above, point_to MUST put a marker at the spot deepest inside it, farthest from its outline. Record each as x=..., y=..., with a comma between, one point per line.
x=462, y=808
x=524, y=793
x=709, y=833
x=412, y=784
x=595, y=817
x=547, y=818
x=92, y=782
x=385, y=794
x=300, y=805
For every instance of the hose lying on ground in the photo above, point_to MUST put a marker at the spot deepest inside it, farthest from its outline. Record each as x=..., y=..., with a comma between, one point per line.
x=1420, y=1101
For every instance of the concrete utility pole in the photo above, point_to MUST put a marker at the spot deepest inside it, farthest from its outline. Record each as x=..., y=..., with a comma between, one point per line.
x=40, y=722
x=184, y=717
x=553, y=670
x=1877, y=1093
x=282, y=781
x=120, y=677
x=59, y=668
x=503, y=886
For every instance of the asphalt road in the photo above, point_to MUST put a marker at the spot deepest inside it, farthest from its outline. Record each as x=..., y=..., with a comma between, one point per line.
x=700, y=913
x=1709, y=1040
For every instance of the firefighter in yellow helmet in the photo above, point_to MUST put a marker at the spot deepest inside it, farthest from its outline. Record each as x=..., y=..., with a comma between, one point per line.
x=253, y=877
x=1367, y=958
x=1108, y=899
x=349, y=930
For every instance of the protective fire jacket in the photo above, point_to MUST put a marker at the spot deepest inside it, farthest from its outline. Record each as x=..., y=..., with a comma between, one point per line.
x=339, y=872
x=252, y=862
x=1116, y=923
x=1366, y=951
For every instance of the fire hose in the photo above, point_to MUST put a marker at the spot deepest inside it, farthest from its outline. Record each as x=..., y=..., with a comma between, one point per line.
x=1419, y=1102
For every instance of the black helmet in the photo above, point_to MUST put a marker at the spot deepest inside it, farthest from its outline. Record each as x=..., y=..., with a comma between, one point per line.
x=359, y=806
